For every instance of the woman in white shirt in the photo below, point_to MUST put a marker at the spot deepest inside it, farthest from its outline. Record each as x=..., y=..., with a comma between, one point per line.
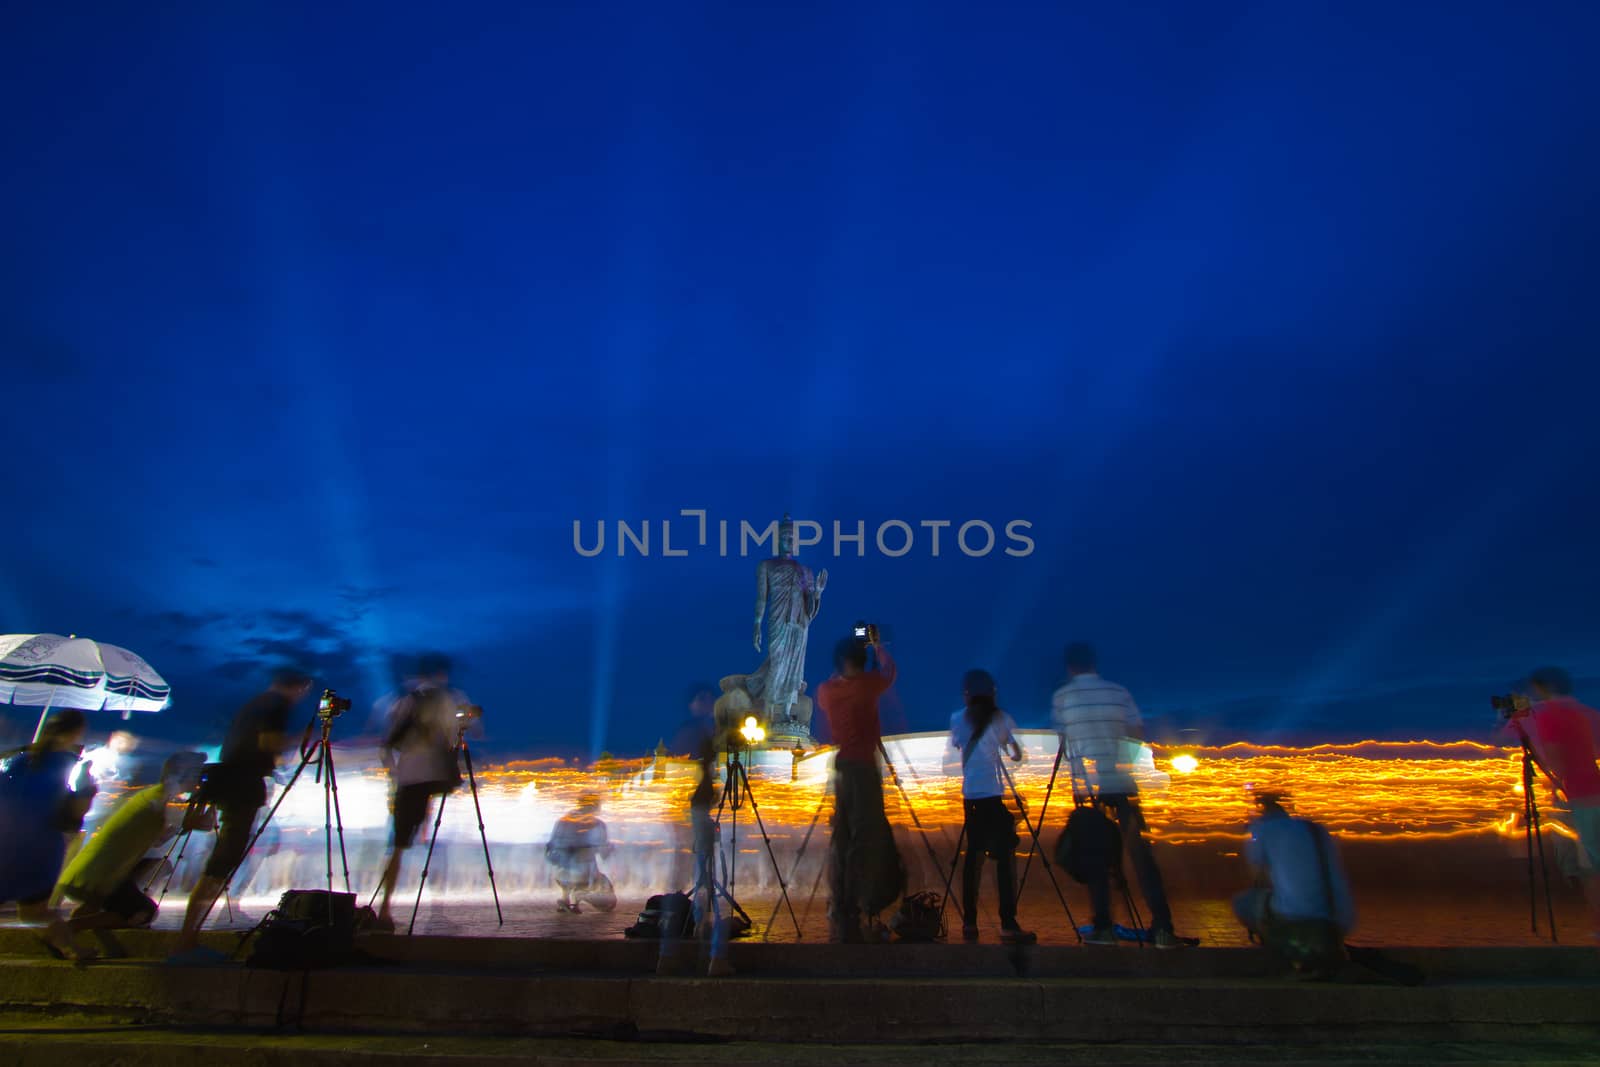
x=981, y=732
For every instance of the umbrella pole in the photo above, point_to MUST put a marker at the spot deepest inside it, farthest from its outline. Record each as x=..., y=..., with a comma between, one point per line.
x=37, y=730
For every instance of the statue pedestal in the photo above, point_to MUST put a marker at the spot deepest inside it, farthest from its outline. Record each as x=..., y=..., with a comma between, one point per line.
x=788, y=735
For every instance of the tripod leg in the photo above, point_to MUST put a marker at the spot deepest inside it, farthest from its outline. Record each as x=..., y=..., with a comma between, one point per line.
x=805, y=843
x=1527, y=839
x=725, y=893
x=482, y=833
x=1134, y=916
x=1022, y=882
x=816, y=887
x=1044, y=861
x=432, y=840
x=327, y=823
x=905, y=798
x=338, y=822
x=950, y=879
x=783, y=888
x=1544, y=869
x=172, y=867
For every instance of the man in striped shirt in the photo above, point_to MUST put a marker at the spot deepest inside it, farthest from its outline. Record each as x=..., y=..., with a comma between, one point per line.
x=1101, y=731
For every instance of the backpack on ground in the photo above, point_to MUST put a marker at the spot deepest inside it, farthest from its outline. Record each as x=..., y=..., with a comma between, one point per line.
x=308, y=930
x=664, y=915
x=919, y=918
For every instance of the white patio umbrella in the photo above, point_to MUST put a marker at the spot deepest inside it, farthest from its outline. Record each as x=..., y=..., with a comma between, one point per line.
x=50, y=671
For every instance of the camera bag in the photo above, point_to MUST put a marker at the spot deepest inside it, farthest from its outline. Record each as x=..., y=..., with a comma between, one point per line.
x=664, y=915
x=1091, y=844
x=308, y=930
x=919, y=917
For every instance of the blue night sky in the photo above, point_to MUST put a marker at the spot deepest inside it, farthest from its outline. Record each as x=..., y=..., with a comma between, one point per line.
x=1276, y=321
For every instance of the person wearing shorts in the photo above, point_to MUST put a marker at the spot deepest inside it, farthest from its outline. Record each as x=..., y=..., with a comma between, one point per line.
x=425, y=725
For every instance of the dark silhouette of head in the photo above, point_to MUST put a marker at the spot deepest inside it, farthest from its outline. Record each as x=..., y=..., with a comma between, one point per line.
x=63, y=729
x=433, y=667
x=701, y=699
x=978, y=690
x=1081, y=659
x=292, y=683
x=1547, y=682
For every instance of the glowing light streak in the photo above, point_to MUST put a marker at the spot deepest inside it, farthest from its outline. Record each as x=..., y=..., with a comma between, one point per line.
x=1366, y=790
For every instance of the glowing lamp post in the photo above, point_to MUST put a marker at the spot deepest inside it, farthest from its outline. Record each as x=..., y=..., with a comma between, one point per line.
x=752, y=732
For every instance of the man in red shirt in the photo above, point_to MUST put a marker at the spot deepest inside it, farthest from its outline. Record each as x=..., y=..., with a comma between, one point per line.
x=862, y=846
x=1565, y=736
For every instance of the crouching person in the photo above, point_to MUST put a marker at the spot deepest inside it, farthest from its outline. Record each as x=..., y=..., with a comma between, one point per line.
x=1301, y=907
x=103, y=877
x=576, y=845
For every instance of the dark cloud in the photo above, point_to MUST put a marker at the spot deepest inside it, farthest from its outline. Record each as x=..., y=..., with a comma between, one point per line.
x=358, y=600
x=303, y=627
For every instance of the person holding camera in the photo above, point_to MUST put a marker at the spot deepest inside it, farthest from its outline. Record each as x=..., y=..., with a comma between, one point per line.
x=862, y=841
x=1100, y=725
x=982, y=733
x=1564, y=735
x=420, y=750
x=39, y=811
x=236, y=786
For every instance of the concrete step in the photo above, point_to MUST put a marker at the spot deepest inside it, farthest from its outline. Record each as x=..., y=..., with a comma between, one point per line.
x=29, y=1041
x=445, y=999
x=752, y=957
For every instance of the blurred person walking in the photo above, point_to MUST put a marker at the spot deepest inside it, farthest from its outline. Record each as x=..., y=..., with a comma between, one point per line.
x=1101, y=730
x=696, y=739
x=420, y=749
x=236, y=787
x=39, y=812
x=983, y=734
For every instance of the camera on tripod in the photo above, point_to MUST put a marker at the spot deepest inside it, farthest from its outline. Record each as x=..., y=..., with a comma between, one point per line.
x=466, y=713
x=332, y=705
x=1512, y=706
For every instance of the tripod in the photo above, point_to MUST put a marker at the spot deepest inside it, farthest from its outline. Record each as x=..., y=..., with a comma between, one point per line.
x=1033, y=832
x=1044, y=809
x=1533, y=835
x=799, y=856
x=466, y=754
x=319, y=750
x=923, y=833
x=180, y=843
x=734, y=793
